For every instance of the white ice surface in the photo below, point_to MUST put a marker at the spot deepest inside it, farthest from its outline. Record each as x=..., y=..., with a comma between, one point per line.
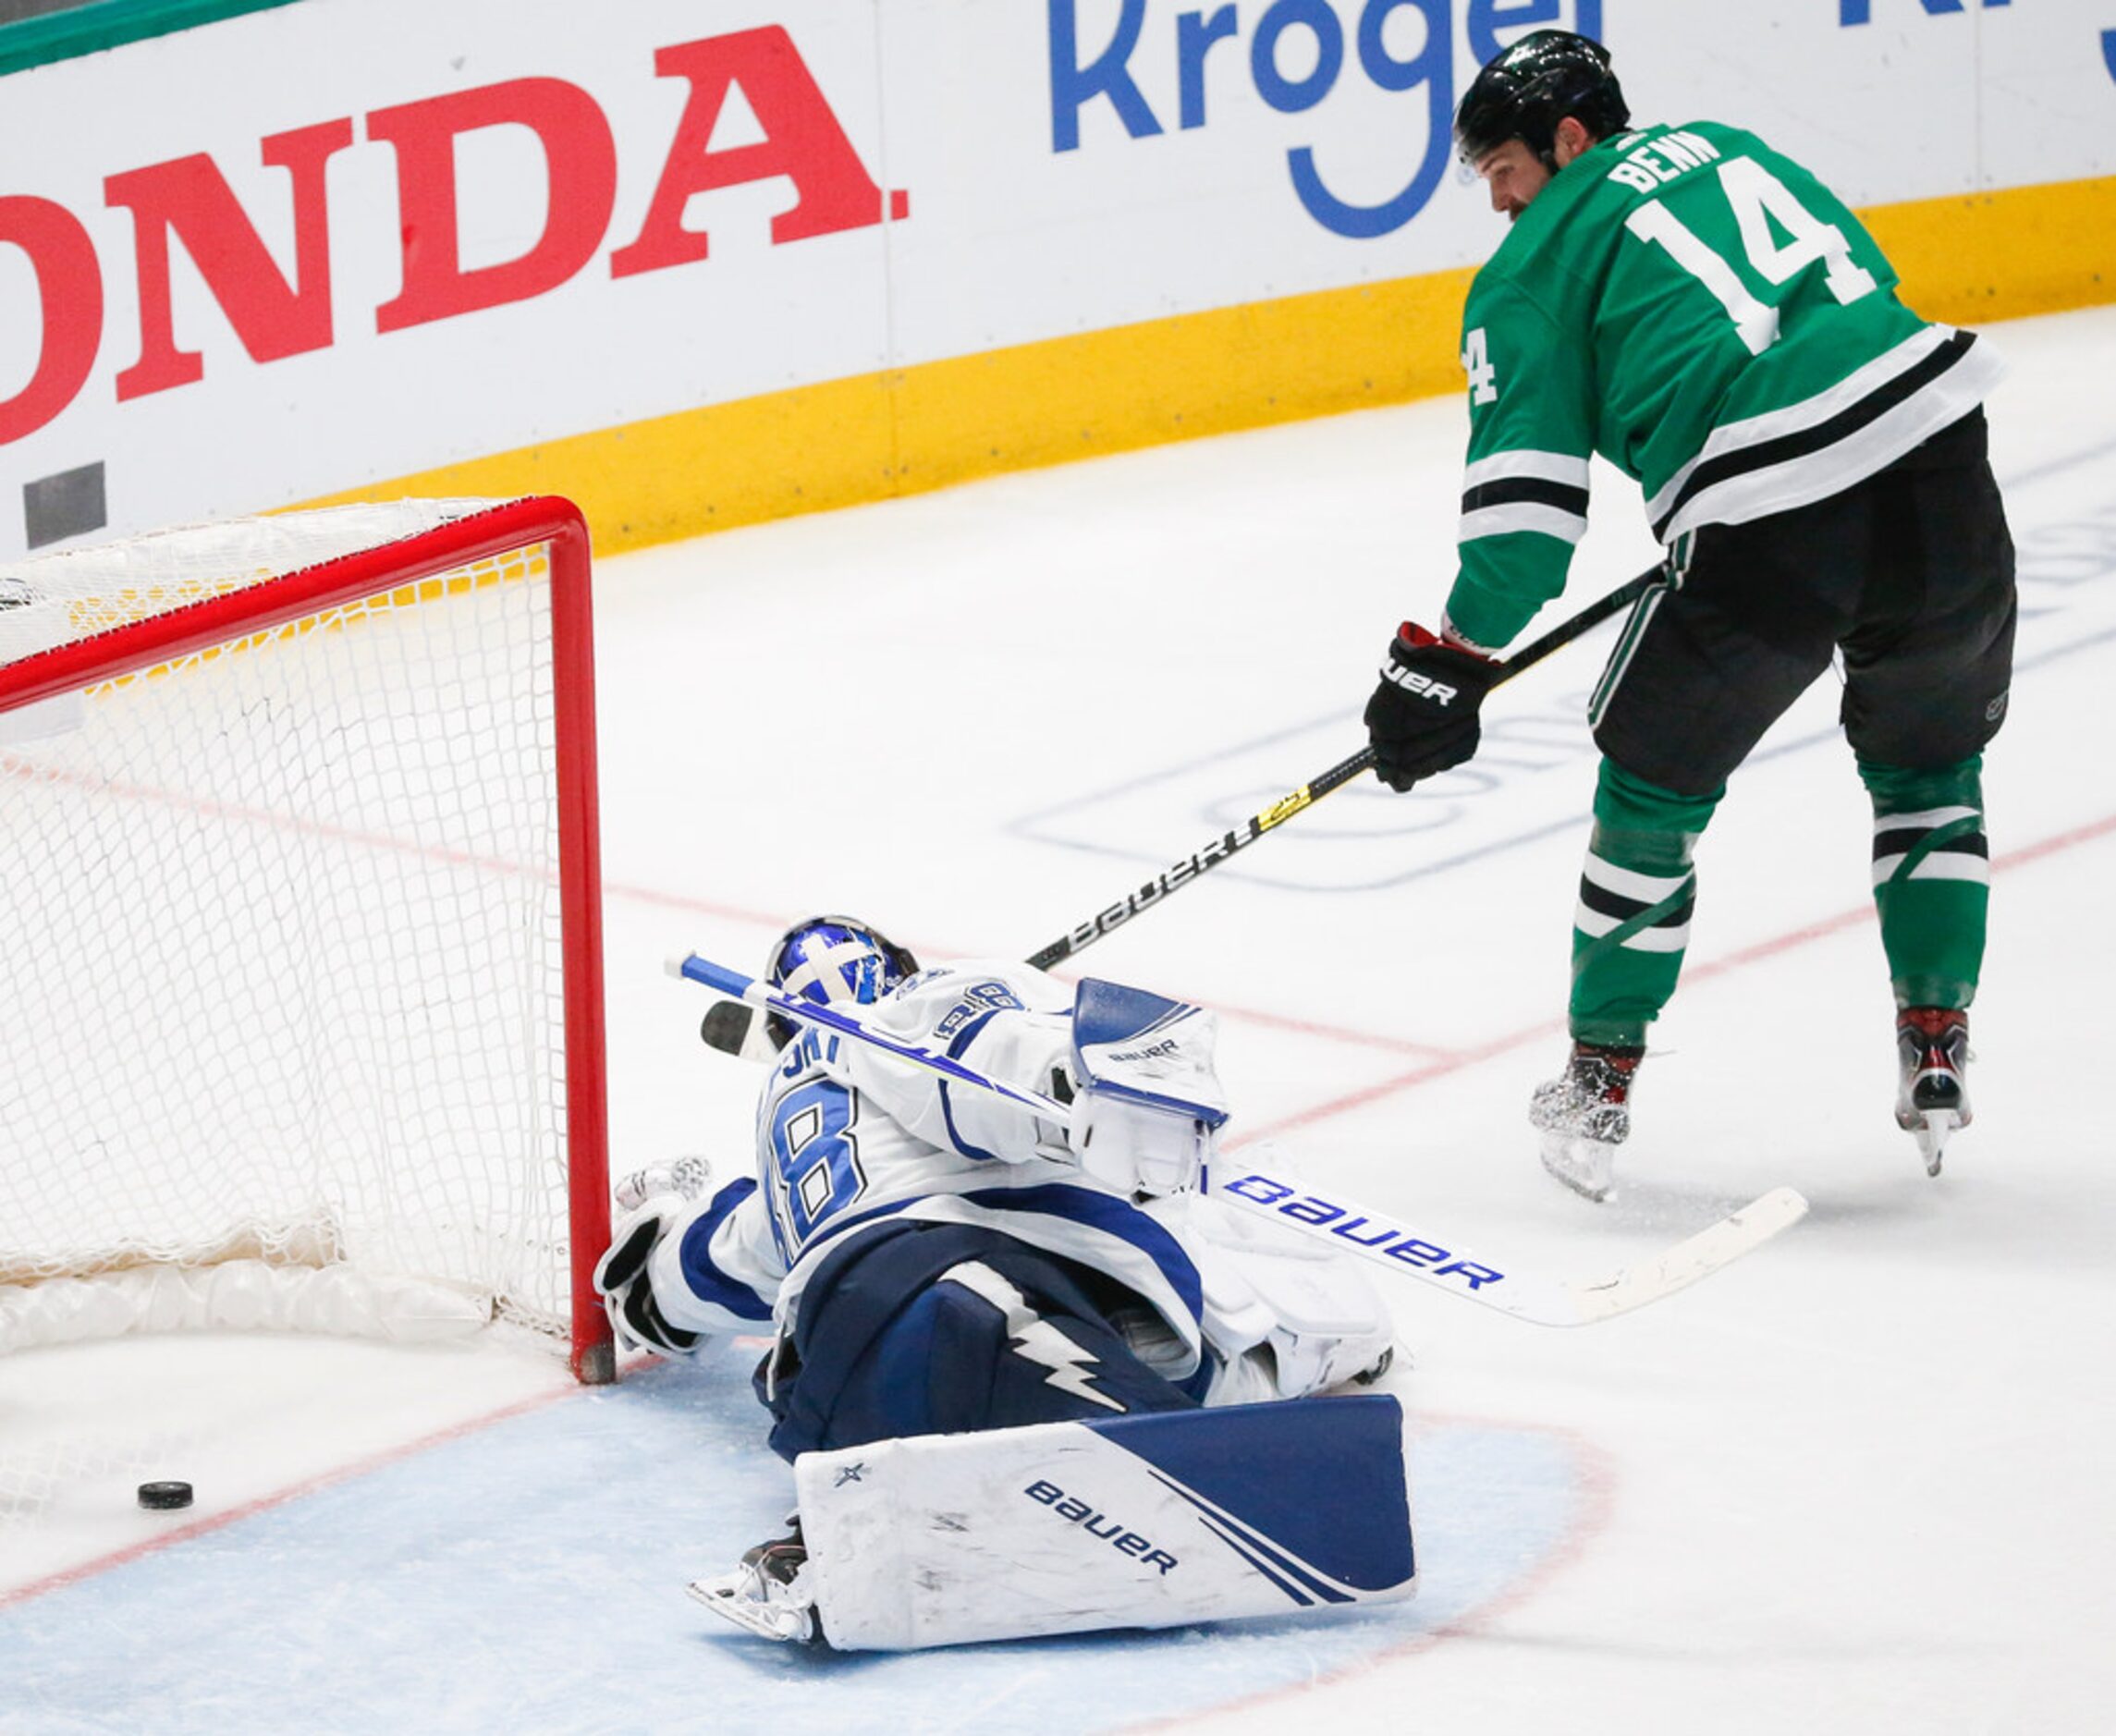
x=1857, y=1482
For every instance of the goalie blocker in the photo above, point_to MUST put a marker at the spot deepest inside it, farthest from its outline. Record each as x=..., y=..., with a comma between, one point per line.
x=1153, y=1521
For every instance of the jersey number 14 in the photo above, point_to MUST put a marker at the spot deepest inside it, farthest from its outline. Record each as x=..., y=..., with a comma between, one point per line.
x=1757, y=196
x=1482, y=372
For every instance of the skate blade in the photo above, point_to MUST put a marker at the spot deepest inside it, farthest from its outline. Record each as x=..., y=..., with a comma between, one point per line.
x=1931, y=1137
x=1585, y=1166
x=732, y=1596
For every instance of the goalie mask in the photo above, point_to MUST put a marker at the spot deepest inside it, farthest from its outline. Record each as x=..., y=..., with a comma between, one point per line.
x=830, y=959
x=1528, y=88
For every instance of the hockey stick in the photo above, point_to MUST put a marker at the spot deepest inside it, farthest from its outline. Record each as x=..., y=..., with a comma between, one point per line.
x=1211, y=855
x=1388, y=1241
x=766, y=999
x=1263, y=1189
x=735, y=1030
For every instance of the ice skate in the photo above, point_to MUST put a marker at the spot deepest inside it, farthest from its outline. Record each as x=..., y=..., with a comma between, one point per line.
x=1932, y=1045
x=1584, y=1115
x=768, y=1593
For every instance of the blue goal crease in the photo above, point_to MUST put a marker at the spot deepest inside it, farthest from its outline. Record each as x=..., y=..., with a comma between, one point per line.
x=490, y=1581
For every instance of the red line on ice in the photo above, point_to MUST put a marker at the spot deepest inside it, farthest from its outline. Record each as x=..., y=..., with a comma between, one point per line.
x=1454, y=1061
x=323, y=1479
x=1597, y=1489
x=1599, y=1484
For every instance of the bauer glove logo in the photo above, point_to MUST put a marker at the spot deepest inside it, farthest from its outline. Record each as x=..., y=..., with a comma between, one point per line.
x=1419, y=686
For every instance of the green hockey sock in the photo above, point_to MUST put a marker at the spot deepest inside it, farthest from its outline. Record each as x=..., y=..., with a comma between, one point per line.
x=1932, y=878
x=1637, y=892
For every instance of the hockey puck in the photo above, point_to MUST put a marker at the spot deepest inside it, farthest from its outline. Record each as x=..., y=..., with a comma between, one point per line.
x=162, y=1496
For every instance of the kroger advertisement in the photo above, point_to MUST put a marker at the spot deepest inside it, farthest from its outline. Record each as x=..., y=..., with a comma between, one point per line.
x=348, y=244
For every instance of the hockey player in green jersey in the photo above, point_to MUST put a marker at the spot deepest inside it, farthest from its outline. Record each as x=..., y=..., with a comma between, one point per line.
x=1704, y=315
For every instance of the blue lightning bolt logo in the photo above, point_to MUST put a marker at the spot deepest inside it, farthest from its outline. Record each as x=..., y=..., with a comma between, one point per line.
x=1032, y=1337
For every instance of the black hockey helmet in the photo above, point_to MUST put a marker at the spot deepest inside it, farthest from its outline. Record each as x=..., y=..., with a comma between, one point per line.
x=1527, y=89
x=826, y=959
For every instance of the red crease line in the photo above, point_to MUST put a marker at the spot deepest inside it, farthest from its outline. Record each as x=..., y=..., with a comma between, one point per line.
x=321, y=1480
x=1455, y=1062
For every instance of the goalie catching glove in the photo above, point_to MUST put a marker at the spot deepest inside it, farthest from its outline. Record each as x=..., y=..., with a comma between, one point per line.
x=655, y=1202
x=1423, y=717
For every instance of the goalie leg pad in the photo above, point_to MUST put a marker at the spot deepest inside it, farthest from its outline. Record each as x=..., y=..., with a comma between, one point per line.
x=1284, y=1316
x=1141, y=1521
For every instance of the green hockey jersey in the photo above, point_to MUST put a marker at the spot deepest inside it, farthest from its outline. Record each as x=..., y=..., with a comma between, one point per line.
x=1711, y=319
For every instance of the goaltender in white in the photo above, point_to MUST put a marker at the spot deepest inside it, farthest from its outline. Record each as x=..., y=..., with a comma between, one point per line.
x=1031, y=1378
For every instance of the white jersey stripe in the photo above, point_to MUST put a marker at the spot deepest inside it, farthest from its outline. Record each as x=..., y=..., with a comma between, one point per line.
x=1801, y=482
x=1831, y=470
x=1924, y=820
x=1660, y=939
x=1522, y=515
x=1942, y=864
x=1754, y=429
x=1594, y=925
x=1630, y=883
x=1554, y=467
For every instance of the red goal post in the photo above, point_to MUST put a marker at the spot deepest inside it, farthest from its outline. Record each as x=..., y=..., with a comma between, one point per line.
x=301, y=914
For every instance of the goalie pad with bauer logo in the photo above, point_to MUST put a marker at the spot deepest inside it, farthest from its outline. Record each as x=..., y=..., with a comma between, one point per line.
x=1152, y=1520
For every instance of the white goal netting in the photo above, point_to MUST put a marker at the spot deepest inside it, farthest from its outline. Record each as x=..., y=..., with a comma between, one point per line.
x=282, y=956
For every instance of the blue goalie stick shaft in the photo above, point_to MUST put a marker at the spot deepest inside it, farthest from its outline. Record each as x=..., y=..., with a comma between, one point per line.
x=835, y=1017
x=1256, y=1181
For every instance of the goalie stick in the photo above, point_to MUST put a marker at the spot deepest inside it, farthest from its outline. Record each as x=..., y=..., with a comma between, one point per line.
x=1255, y=1182
x=734, y=1028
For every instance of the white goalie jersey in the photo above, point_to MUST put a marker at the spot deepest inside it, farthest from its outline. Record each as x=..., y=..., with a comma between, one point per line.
x=848, y=1136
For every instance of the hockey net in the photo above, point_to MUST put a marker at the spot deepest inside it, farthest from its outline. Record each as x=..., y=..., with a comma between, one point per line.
x=299, y=950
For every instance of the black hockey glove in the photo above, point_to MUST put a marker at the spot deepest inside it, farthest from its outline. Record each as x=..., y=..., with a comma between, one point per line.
x=1423, y=718
x=627, y=1290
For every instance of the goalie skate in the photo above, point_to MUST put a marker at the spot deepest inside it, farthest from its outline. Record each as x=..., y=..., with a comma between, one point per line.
x=1584, y=1115
x=767, y=1593
x=1932, y=1100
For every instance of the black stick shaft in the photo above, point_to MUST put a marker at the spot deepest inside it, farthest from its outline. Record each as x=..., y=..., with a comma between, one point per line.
x=1211, y=855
